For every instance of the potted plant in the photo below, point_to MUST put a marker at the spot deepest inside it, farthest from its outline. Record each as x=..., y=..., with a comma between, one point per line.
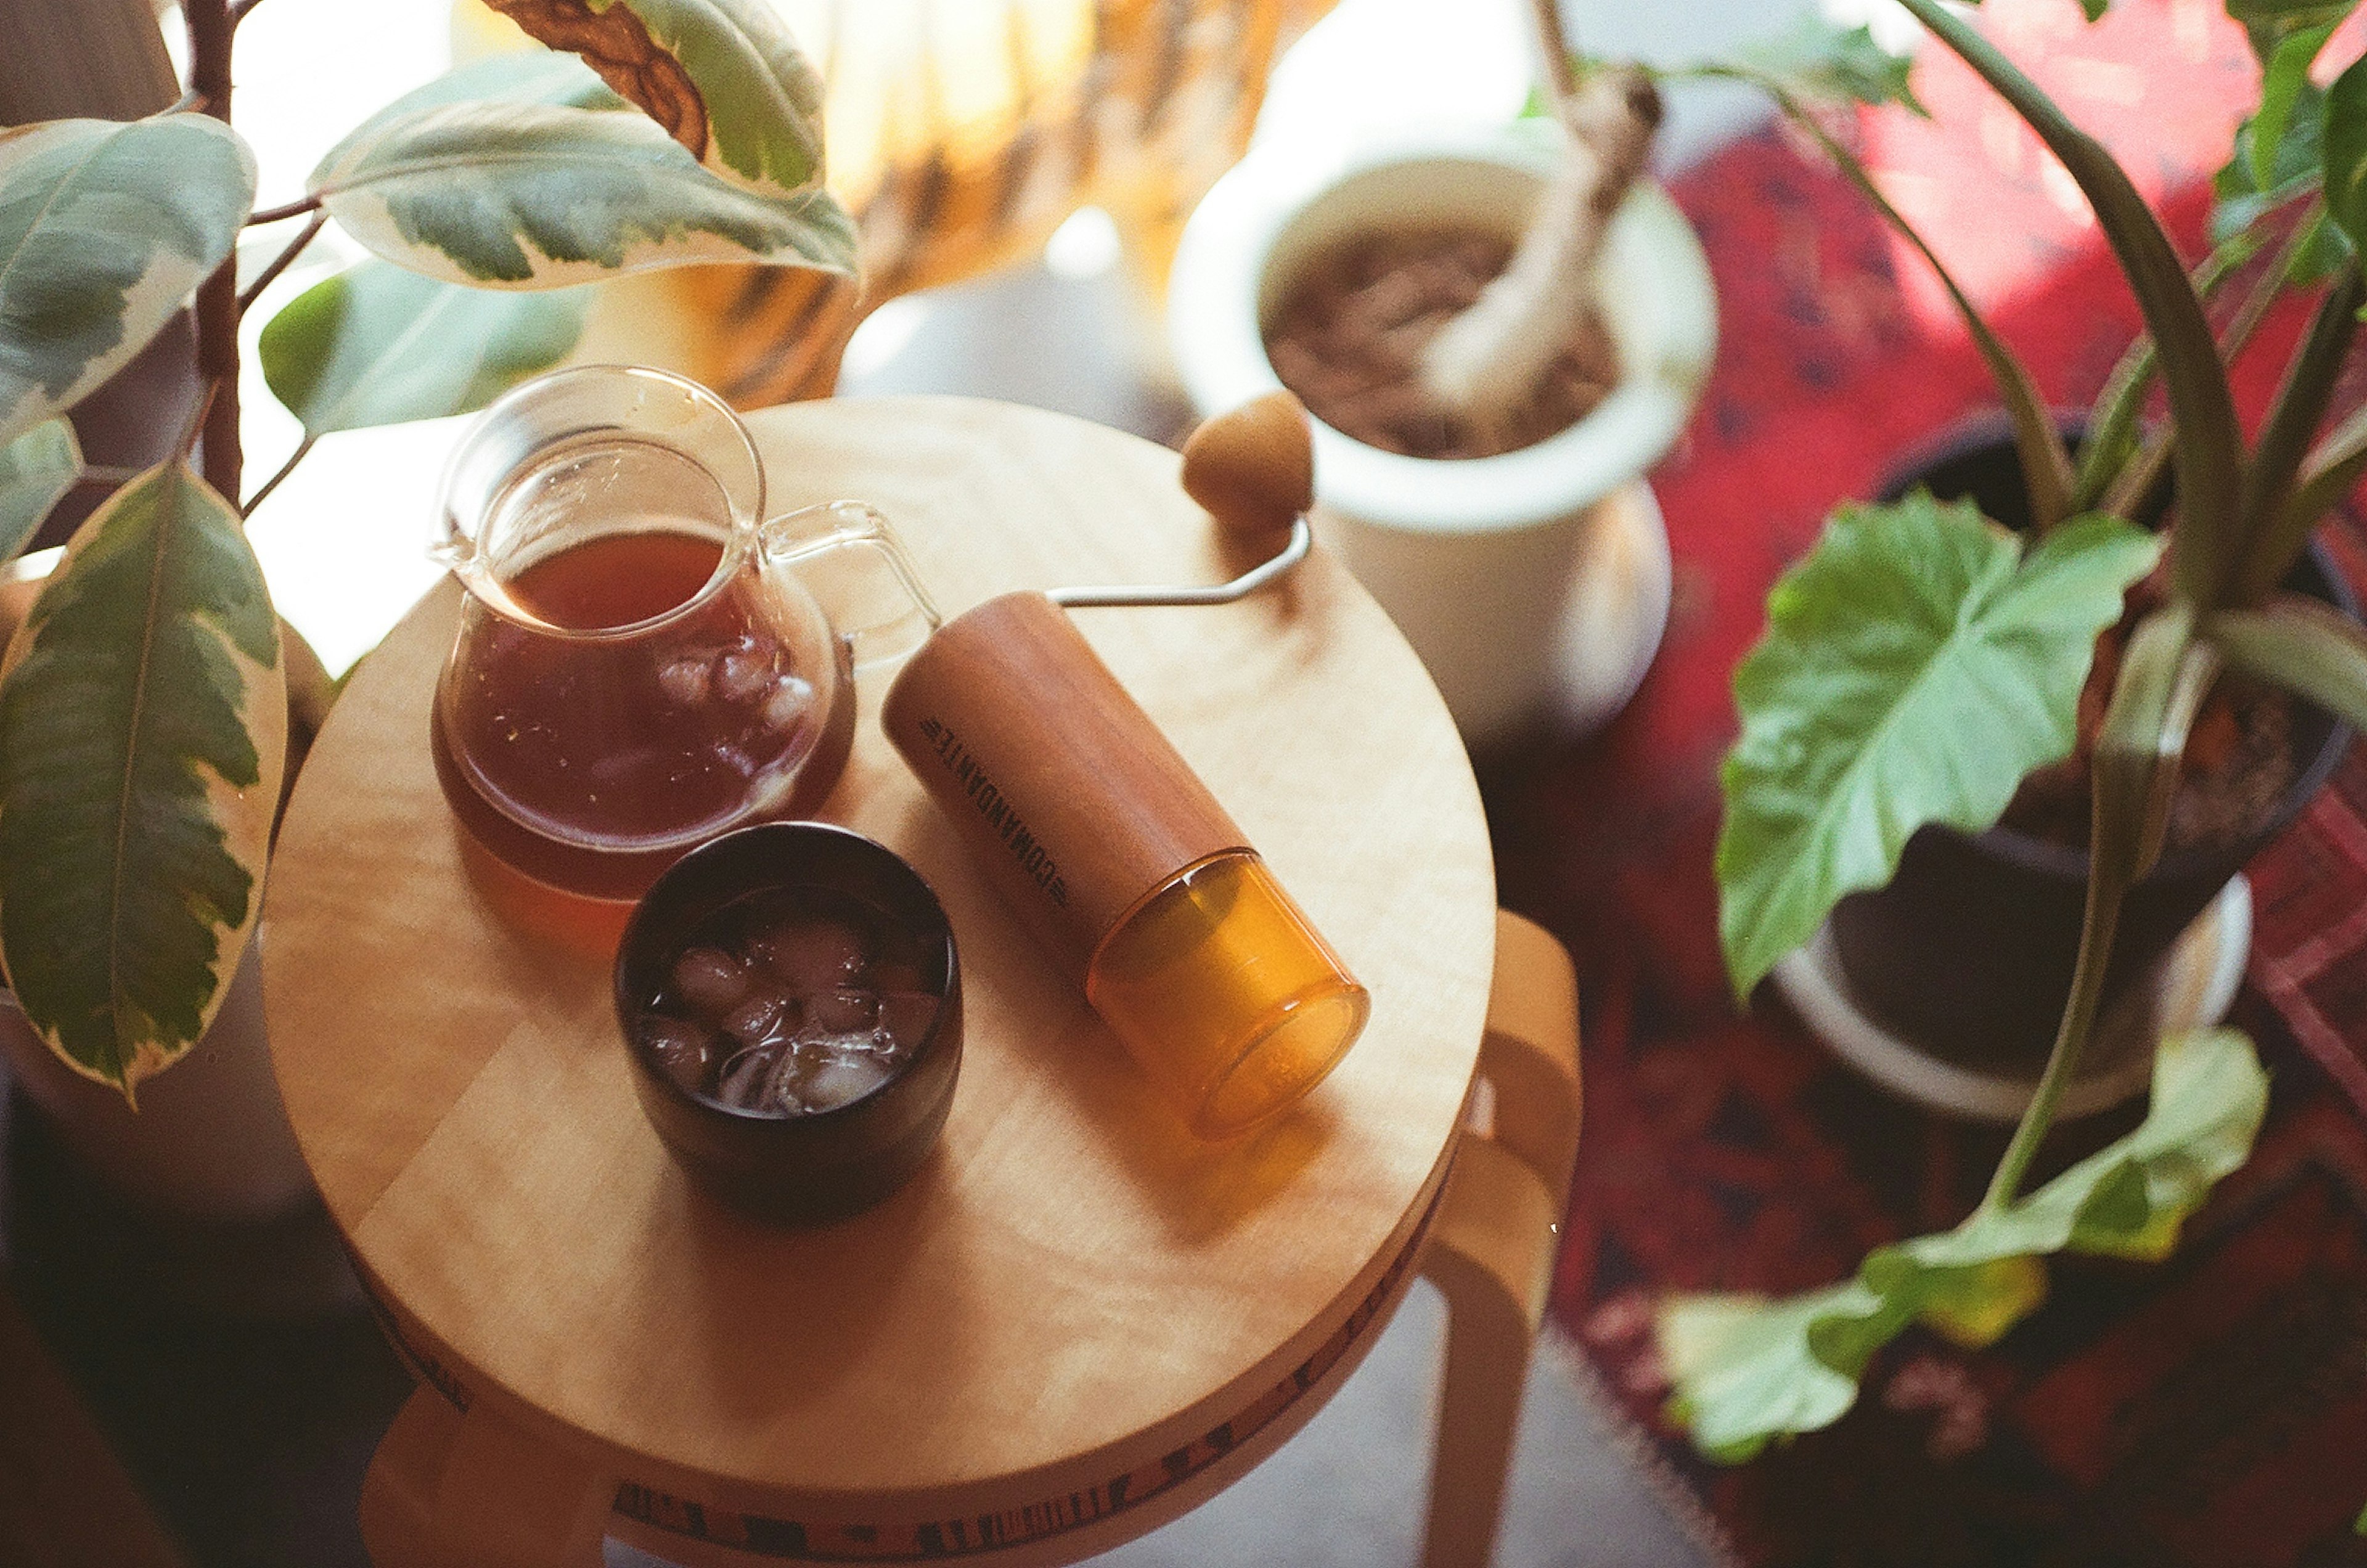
x=143, y=698
x=1924, y=661
x=1506, y=537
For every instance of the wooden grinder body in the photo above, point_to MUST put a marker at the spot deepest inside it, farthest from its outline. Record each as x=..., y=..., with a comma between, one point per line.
x=1063, y=789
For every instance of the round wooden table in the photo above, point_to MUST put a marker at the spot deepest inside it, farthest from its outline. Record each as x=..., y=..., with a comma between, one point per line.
x=1077, y=1321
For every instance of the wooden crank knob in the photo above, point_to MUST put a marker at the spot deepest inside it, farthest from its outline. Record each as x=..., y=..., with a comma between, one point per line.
x=1254, y=468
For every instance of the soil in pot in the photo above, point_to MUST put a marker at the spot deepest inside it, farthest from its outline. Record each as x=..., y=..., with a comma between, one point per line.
x=1348, y=340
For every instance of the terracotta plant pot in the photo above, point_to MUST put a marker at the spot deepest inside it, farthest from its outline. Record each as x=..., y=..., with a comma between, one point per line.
x=1967, y=953
x=1533, y=583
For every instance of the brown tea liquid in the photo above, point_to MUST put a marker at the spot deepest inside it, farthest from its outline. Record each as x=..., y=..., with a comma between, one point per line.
x=587, y=765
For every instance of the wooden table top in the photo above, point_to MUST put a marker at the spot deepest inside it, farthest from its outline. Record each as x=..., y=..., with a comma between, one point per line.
x=1073, y=1286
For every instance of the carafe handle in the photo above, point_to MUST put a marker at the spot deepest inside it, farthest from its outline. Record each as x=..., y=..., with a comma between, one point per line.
x=858, y=572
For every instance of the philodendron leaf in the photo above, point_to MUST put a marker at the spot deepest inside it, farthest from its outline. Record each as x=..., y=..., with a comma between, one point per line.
x=144, y=722
x=377, y=345
x=35, y=470
x=1915, y=666
x=1748, y=1369
x=723, y=77
x=104, y=230
x=1818, y=60
x=539, y=196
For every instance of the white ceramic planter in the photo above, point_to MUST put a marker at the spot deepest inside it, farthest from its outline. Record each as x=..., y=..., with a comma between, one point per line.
x=1535, y=583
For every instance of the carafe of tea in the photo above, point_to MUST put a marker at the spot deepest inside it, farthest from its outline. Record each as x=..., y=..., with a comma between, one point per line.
x=644, y=659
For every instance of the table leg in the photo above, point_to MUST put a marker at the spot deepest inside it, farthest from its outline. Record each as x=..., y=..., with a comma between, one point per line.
x=1491, y=1250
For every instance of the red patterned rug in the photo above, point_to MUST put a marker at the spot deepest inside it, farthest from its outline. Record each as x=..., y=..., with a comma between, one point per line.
x=2209, y=1411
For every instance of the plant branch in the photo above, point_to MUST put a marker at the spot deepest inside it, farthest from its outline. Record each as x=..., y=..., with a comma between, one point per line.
x=290, y=209
x=2209, y=453
x=238, y=13
x=2112, y=421
x=279, y=263
x=286, y=468
x=2163, y=679
x=2045, y=463
x=2294, y=419
x=217, y=310
x=2137, y=479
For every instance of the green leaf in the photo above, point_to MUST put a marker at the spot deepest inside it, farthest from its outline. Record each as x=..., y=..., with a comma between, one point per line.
x=2284, y=82
x=376, y=344
x=2305, y=647
x=723, y=77
x=1914, y=668
x=36, y=470
x=1817, y=59
x=539, y=196
x=143, y=730
x=1748, y=1371
x=2345, y=152
x=105, y=228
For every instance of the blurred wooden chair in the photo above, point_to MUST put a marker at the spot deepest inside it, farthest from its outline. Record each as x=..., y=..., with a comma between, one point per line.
x=1491, y=1248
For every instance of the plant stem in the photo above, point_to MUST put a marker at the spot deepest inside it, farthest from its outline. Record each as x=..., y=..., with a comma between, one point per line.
x=210, y=74
x=286, y=468
x=2293, y=421
x=238, y=12
x=2099, y=923
x=287, y=210
x=279, y=263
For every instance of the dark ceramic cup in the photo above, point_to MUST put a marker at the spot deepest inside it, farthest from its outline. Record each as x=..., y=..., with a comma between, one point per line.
x=815, y=1165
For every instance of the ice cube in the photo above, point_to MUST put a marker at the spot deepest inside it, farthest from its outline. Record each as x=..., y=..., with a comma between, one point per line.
x=746, y=1081
x=761, y=1015
x=843, y=1080
x=839, y=1011
x=809, y=955
x=791, y=700
x=710, y=980
x=686, y=1051
x=743, y=675
x=905, y=1018
x=685, y=680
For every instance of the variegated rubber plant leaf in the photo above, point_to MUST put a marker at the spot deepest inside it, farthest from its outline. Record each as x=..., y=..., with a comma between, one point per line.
x=539, y=196
x=723, y=77
x=143, y=719
x=376, y=344
x=1915, y=666
x=36, y=470
x=105, y=228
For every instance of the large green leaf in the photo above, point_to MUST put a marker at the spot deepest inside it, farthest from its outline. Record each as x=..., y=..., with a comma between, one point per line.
x=377, y=345
x=538, y=196
x=143, y=721
x=1914, y=668
x=36, y=469
x=2283, y=80
x=1819, y=60
x=105, y=228
x=723, y=77
x=1748, y=1369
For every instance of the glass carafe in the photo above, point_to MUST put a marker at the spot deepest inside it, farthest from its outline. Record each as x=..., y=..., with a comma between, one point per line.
x=644, y=659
